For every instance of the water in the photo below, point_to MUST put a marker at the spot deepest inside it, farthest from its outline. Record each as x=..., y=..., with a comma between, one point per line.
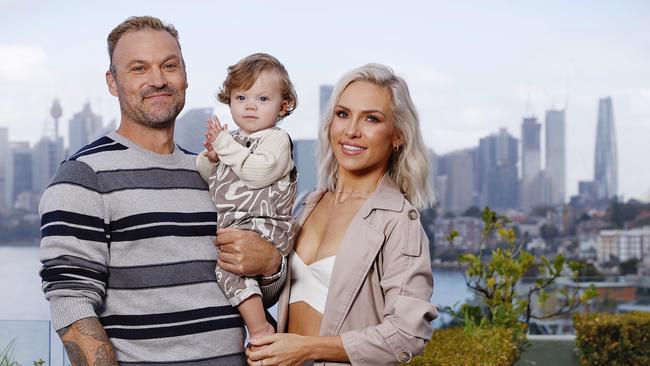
x=24, y=313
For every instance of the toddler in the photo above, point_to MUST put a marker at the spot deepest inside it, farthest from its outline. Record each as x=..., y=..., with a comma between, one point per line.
x=250, y=171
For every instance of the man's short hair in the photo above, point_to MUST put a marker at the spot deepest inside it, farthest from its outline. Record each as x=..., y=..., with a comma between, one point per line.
x=243, y=74
x=133, y=24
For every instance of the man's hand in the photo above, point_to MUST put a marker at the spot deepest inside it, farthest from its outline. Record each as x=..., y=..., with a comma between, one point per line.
x=245, y=253
x=86, y=343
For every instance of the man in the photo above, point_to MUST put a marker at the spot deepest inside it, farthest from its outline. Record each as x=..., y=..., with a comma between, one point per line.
x=128, y=225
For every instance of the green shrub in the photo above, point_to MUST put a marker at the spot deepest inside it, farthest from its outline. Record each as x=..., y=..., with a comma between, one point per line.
x=7, y=355
x=613, y=339
x=455, y=346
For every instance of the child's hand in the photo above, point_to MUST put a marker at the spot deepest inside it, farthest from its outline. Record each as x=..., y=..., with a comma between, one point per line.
x=214, y=128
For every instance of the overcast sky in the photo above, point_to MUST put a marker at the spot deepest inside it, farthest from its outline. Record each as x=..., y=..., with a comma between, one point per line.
x=472, y=66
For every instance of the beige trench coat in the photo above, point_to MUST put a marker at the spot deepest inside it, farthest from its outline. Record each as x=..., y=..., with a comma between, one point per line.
x=378, y=299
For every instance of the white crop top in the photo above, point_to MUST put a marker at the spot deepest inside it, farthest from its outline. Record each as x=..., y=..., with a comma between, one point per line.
x=310, y=283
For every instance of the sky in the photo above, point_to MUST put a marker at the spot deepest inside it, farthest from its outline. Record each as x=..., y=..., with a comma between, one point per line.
x=472, y=67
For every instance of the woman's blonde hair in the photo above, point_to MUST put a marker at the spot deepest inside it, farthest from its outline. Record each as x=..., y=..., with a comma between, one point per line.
x=408, y=166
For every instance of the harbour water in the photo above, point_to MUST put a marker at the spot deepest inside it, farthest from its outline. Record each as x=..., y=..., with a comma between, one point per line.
x=24, y=313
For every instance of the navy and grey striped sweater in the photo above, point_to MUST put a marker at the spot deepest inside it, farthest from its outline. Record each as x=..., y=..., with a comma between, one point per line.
x=127, y=236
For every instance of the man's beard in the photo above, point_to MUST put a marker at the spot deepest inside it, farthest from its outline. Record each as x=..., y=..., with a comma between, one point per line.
x=153, y=116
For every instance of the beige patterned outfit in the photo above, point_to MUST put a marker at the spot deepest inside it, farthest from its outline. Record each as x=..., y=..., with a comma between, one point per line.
x=253, y=187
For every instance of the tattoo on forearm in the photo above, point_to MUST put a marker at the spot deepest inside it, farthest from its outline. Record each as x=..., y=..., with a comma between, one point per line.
x=87, y=344
x=93, y=328
x=75, y=354
x=63, y=331
x=104, y=356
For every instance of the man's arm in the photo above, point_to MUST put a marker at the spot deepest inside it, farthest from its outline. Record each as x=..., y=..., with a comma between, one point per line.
x=246, y=253
x=74, y=252
x=86, y=343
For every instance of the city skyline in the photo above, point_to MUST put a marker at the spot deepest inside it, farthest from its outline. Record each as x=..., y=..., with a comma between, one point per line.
x=472, y=68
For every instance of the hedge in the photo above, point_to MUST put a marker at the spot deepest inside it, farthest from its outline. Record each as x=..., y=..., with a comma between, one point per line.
x=454, y=346
x=613, y=339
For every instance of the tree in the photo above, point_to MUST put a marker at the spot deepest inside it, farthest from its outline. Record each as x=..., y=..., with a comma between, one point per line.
x=629, y=267
x=472, y=211
x=495, y=279
x=549, y=232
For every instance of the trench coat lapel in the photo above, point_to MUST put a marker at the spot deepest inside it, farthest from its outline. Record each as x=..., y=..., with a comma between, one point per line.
x=359, y=249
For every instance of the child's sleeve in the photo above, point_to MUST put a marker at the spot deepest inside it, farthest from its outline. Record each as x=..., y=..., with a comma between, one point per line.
x=205, y=167
x=270, y=161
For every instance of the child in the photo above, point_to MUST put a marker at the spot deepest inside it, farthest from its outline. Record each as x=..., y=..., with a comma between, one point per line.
x=250, y=171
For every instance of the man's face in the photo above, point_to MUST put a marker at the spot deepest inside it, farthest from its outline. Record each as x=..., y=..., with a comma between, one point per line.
x=148, y=78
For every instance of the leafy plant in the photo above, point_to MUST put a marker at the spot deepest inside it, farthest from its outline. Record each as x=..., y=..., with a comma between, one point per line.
x=7, y=355
x=613, y=339
x=495, y=274
x=455, y=346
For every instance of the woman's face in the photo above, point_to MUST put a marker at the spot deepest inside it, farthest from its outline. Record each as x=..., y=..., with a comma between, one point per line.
x=362, y=133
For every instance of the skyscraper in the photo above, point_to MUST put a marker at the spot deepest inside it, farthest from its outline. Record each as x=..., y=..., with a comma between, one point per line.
x=5, y=169
x=325, y=93
x=497, y=171
x=606, y=162
x=530, y=159
x=457, y=170
x=84, y=127
x=46, y=157
x=305, y=158
x=556, y=154
x=190, y=129
x=21, y=181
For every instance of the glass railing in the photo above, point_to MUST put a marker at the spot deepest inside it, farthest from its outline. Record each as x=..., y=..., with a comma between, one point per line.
x=26, y=341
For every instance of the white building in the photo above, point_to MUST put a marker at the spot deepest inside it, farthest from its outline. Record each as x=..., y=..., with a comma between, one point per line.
x=623, y=244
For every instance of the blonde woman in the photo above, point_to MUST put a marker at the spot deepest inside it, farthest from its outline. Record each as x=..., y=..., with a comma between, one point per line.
x=360, y=278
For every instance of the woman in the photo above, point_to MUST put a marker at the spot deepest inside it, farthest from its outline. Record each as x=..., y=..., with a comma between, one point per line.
x=360, y=278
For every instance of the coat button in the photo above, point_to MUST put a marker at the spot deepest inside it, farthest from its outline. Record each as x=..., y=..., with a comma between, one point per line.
x=404, y=356
x=413, y=214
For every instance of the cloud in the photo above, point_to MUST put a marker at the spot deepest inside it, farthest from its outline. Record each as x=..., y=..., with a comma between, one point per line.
x=23, y=65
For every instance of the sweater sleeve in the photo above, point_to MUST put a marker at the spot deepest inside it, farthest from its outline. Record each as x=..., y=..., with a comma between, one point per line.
x=270, y=161
x=74, y=245
x=205, y=167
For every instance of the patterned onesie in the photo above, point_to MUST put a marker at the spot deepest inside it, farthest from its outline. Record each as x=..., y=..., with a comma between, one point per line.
x=254, y=188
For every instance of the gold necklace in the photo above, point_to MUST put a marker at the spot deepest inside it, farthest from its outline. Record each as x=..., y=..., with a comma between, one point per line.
x=352, y=192
x=338, y=199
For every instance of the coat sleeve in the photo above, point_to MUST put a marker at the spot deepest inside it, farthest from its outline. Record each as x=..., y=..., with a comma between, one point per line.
x=407, y=284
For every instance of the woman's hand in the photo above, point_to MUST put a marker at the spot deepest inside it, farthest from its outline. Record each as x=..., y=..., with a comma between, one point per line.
x=280, y=349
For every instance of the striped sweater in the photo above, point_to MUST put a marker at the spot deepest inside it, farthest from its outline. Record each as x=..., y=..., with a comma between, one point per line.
x=127, y=237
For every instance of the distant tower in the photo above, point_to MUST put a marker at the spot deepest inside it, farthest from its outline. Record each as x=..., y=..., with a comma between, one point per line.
x=606, y=162
x=56, y=113
x=556, y=154
x=530, y=158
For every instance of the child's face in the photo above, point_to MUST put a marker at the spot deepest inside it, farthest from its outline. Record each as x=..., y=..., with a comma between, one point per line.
x=260, y=106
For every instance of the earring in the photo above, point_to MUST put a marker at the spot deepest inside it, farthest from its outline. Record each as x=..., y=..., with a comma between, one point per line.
x=396, y=148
